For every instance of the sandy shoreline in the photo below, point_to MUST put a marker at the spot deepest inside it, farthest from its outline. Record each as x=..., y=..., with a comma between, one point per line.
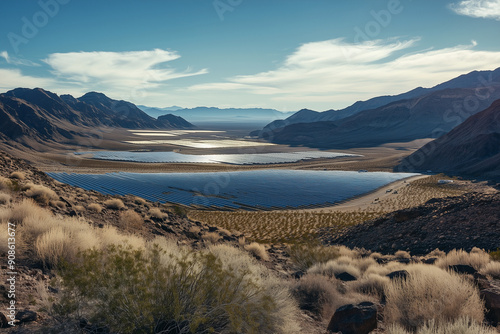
x=367, y=200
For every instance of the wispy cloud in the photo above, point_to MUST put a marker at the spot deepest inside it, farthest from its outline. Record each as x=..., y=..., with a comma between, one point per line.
x=16, y=61
x=340, y=73
x=488, y=9
x=13, y=78
x=117, y=72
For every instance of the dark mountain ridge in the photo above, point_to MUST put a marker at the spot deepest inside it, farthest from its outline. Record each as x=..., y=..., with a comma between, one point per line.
x=472, y=148
x=37, y=115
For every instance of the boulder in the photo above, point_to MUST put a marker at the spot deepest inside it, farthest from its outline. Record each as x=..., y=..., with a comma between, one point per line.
x=346, y=277
x=26, y=316
x=354, y=319
x=463, y=269
x=491, y=299
x=402, y=274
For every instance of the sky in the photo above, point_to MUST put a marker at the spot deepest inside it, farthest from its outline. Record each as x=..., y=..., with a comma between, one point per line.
x=281, y=54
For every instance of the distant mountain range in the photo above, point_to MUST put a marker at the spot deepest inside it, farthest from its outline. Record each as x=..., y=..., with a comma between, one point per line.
x=255, y=117
x=36, y=115
x=472, y=148
x=420, y=113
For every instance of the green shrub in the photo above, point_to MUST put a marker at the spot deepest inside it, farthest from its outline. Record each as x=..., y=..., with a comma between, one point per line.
x=149, y=291
x=495, y=255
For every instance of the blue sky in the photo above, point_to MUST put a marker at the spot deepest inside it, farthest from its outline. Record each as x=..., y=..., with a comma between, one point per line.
x=282, y=54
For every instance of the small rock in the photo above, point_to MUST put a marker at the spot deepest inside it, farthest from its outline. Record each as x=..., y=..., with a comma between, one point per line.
x=402, y=274
x=430, y=260
x=354, y=319
x=491, y=299
x=346, y=277
x=463, y=269
x=26, y=316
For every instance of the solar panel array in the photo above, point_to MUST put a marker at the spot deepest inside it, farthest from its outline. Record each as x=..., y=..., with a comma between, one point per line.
x=263, y=189
x=236, y=159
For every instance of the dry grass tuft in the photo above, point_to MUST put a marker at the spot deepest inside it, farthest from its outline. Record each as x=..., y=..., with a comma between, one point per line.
x=476, y=259
x=157, y=213
x=492, y=269
x=400, y=254
x=40, y=193
x=79, y=208
x=5, y=198
x=317, y=294
x=211, y=237
x=430, y=293
x=335, y=267
x=58, y=204
x=17, y=175
x=114, y=204
x=5, y=184
x=131, y=220
x=371, y=284
x=95, y=207
x=258, y=250
x=139, y=200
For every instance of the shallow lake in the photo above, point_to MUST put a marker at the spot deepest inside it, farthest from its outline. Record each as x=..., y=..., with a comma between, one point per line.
x=264, y=189
x=236, y=159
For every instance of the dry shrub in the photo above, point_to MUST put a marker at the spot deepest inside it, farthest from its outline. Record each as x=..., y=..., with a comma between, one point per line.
x=385, y=269
x=79, y=208
x=371, y=284
x=476, y=259
x=4, y=235
x=157, y=213
x=317, y=294
x=459, y=326
x=139, y=201
x=95, y=207
x=400, y=254
x=5, y=184
x=303, y=256
x=258, y=250
x=376, y=255
x=211, y=237
x=224, y=232
x=430, y=293
x=492, y=269
x=109, y=235
x=242, y=241
x=436, y=253
x=25, y=208
x=131, y=220
x=40, y=193
x=5, y=198
x=114, y=204
x=58, y=204
x=17, y=175
x=333, y=267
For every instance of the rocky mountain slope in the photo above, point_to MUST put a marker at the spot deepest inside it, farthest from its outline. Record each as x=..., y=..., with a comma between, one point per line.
x=471, y=148
x=36, y=115
x=429, y=116
x=473, y=79
x=464, y=222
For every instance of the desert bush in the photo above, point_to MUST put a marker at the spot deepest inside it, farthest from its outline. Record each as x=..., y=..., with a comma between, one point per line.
x=5, y=184
x=40, y=193
x=476, y=259
x=430, y=293
x=459, y=326
x=25, y=208
x=131, y=220
x=495, y=255
x=114, y=203
x=4, y=198
x=157, y=213
x=258, y=250
x=17, y=175
x=141, y=291
x=316, y=294
x=95, y=207
x=303, y=256
x=211, y=237
x=400, y=254
x=333, y=267
x=79, y=208
x=4, y=235
x=371, y=284
x=492, y=269
x=58, y=204
x=139, y=200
